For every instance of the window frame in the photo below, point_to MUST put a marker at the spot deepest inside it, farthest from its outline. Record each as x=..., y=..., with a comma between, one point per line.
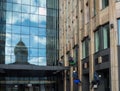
x=105, y=3
x=101, y=44
x=118, y=30
x=85, y=47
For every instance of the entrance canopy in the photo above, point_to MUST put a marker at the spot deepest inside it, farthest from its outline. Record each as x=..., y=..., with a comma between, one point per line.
x=30, y=70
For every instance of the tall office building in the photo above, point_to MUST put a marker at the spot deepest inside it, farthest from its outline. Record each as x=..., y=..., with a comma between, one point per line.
x=90, y=34
x=52, y=32
x=24, y=27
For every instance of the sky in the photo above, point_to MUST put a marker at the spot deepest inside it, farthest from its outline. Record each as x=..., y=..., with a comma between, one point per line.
x=37, y=35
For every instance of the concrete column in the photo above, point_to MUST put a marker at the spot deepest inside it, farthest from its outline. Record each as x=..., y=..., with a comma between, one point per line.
x=113, y=46
x=71, y=79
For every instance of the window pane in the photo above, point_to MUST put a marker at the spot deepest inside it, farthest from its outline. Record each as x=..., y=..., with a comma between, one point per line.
x=15, y=39
x=42, y=41
x=118, y=31
x=34, y=20
x=33, y=31
x=94, y=7
x=8, y=28
x=9, y=6
x=42, y=21
x=25, y=39
x=34, y=52
x=76, y=54
x=42, y=11
x=25, y=2
x=25, y=30
x=16, y=19
x=16, y=29
x=42, y=31
x=86, y=47
x=105, y=3
x=8, y=39
x=25, y=8
x=42, y=52
x=34, y=10
x=42, y=60
x=17, y=7
x=42, y=3
x=83, y=49
x=97, y=40
x=7, y=59
x=34, y=60
x=8, y=17
x=106, y=37
x=34, y=41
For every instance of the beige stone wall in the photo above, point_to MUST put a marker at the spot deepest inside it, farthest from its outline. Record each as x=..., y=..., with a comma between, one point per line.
x=77, y=20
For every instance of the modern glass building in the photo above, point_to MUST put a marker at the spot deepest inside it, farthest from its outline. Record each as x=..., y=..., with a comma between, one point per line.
x=52, y=32
x=25, y=26
x=23, y=21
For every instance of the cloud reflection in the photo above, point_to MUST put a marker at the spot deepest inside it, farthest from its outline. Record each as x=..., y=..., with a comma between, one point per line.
x=40, y=40
x=38, y=61
x=25, y=12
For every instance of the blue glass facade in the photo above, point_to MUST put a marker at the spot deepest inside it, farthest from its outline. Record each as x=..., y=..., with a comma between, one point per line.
x=23, y=20
x=28, y=39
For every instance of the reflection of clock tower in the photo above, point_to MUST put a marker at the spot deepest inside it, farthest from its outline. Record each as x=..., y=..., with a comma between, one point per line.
x=21, y=53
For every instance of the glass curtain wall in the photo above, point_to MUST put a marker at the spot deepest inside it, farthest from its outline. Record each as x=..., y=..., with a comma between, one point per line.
x=23, y=26
x=52, y=32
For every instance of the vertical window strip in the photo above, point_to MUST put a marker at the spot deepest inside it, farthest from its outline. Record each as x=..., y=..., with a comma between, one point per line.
x=94, y=7
x=97, y=44
x=118, y=31
x=105, y=36
x=86, y=47
x=83, y=49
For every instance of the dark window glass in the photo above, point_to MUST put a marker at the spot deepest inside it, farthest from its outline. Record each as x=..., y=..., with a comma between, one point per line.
x=85, y=48
x=101, y=38
x=118, y=21
x=105, y=3
x=106, y=38
x=94, y=7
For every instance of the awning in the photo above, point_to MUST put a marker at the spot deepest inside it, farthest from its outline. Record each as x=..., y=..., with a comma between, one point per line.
x=30, y=70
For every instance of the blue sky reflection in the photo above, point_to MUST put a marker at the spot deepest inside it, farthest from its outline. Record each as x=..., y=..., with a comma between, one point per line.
x=27, y=23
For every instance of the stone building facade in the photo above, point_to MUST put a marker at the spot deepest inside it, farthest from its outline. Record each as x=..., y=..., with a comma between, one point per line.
x=89, y=31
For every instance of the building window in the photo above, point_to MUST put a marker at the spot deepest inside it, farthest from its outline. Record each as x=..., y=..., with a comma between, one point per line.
x=102, y=40
x=97, y=41
x=85, y=48
x=94, y=3
x=105, y=30
x=105, y=3
x=75, y=54
x=118, y=0
x=118, y=21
